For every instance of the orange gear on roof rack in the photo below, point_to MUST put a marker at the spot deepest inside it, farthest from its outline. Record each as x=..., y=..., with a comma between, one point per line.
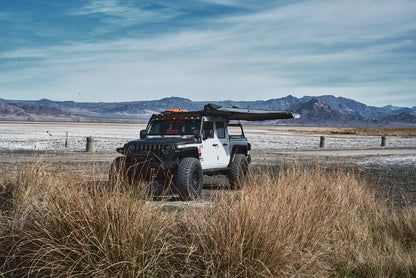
x=176, y=110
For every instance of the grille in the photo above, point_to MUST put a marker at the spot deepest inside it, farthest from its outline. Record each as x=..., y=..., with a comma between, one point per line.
x=146, y=148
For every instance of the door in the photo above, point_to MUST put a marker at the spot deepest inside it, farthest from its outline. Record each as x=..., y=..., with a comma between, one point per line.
x=209, y=144
x=215, y=145
x=223, y=152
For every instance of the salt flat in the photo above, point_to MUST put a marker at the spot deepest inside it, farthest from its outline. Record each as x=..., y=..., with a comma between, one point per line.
x=26, y=136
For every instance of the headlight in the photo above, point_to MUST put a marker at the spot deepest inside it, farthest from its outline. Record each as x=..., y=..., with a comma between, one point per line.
x=130, y=149
x=167, y=149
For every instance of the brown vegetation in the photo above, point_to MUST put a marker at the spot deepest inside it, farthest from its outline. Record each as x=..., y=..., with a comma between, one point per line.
x=358, y=131
x=297, y=222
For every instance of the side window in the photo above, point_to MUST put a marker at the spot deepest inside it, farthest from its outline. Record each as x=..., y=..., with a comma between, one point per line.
x=220, y=129
x=208, y=129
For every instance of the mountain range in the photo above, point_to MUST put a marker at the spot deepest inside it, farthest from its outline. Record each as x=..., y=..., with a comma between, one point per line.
x=324, y=110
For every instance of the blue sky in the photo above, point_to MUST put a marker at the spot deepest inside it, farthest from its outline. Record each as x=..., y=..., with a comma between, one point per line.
x=113, y=50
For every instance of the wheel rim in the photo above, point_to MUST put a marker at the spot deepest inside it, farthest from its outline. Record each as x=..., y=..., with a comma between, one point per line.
x=194, y=182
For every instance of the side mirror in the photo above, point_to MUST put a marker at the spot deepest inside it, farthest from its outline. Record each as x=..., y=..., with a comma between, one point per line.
x=143, y=134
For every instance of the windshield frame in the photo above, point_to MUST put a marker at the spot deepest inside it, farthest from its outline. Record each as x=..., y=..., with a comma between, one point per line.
x=169, y=129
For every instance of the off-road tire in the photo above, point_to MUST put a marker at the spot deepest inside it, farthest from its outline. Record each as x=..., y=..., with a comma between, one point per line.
x=188, y=180
x=238, y=170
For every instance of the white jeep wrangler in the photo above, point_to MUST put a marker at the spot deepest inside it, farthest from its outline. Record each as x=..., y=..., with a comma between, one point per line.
x=178, y=147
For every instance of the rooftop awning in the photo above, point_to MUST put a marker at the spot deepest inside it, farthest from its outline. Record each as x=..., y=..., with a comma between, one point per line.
x=247, y=114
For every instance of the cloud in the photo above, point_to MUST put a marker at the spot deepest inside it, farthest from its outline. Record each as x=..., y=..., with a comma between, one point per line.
x=5, y=16
x=326, y=26
x=125, y=14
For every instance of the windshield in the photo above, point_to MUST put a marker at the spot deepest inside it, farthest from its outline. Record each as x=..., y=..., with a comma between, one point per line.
x=174, y=127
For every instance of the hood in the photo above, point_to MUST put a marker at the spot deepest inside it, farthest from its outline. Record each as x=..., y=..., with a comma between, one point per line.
x=156, y=145
x=164, y=140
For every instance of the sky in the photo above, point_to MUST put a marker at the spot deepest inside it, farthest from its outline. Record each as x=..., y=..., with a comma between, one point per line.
x=113, y=50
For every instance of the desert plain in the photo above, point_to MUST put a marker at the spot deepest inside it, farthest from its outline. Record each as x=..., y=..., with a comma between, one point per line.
x=390, y=169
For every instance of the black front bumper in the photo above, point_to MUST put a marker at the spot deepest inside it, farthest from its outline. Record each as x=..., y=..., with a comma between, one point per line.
x=149, y=167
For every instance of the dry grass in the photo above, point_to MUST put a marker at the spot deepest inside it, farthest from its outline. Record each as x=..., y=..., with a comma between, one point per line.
x=358, y=131
x=302, y=222
x=298, y=222
x=62, y=226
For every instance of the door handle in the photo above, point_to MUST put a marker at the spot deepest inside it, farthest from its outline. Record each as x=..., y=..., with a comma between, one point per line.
x=225, y=144
x=215, y=145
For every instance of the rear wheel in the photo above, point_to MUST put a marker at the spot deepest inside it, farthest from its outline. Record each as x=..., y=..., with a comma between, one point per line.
x=238, y=170
x=189, y=178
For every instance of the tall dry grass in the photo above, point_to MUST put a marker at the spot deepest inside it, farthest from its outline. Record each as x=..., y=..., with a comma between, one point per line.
x=302, y=222
x=297, y=222
x=62, y=227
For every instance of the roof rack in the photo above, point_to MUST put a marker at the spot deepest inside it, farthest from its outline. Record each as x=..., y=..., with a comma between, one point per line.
x=233, y=113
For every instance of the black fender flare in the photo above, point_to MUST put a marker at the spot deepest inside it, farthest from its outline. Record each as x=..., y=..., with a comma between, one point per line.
x=238, y=149
x=187, y=152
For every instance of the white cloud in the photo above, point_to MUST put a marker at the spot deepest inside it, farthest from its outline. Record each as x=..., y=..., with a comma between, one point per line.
x=5, y=16
x=117, y=14
x=330, y=22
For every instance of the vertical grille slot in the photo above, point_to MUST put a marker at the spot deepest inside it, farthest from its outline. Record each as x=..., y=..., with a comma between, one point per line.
x=151, y=147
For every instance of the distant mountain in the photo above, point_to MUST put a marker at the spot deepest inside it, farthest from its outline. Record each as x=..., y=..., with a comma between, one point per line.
x=392, y=108
x=44, y=110
x=324, y=110
x=33, y=112
x=11, y=110
x=398, y=119
x=404, y=110
x=271, y=104
x=350, y=107
x=318, y=111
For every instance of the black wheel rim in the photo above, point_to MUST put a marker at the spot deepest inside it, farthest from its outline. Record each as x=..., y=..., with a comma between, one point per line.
x=194, y=183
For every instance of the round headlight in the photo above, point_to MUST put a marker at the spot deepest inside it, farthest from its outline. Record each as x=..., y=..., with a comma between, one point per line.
x=130, y=149
x=167, y=149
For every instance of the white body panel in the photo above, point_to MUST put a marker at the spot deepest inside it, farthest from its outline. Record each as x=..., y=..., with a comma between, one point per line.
x=216, y=147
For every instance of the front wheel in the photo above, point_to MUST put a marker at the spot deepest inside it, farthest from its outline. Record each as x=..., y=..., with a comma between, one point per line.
x=118, y=170
x=238, y=170
x=189, y=178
